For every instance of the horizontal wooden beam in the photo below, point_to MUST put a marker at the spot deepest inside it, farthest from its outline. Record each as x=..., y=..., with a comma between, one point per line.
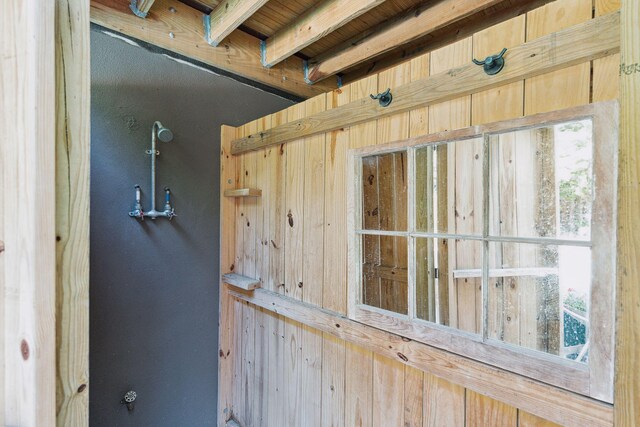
x=551, y=403
x=584, y=42
x=411, y=26
x=313, y=25
x=178, y=28
x=228, y=16
x=141, y=8
x=459, y=30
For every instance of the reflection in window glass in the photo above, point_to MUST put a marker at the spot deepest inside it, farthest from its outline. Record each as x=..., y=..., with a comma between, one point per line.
x=384, y=272
x=384, y=192
x=541, y=182
x=538, y=297
x=537, y=184
x=449, y=187
x=449, y=282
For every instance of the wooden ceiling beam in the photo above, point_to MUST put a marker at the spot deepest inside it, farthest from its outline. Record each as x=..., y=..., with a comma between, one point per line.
x=467, y=27
x=141, y=8
x=411, y=26
x=178, y=28
x=312, y=26
x=227, y=17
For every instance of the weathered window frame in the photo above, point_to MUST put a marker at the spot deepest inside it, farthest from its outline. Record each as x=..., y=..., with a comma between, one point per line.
x=596, y=378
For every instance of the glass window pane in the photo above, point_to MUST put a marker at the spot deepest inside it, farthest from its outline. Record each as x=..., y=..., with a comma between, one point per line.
x=449, y=282
x=384, y=192
x=538, y=297
x=449, y=187
x=384, y=272
x=541, y=182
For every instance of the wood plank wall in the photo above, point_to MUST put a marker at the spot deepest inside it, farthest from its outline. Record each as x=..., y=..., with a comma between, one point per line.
x=278, y=372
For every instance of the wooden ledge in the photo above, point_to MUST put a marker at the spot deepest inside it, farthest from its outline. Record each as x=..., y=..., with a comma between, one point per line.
x=242, y=282
x=243, y=192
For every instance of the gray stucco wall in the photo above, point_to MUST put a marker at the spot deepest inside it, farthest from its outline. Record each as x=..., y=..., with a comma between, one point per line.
x=154, y=291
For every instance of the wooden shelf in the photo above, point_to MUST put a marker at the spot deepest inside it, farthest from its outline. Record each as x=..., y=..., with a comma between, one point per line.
x=242, y=282
x=243, y=192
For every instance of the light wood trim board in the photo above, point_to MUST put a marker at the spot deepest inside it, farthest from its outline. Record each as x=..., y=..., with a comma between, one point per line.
x=583, y=42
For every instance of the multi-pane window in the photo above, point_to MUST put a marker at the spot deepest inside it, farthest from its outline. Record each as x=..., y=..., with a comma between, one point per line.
x=496, y=242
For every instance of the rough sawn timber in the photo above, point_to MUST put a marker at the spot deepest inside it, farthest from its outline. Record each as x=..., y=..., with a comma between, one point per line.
x=73, y=146
x=411, y=26
x=312, y=26
x=548, y=402
x=239, y=54
x=627, y=377
x=594, y=39
x=228, y=16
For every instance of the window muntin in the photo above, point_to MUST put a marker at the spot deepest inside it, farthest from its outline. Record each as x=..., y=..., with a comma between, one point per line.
x=438, y=292
x=519, y=270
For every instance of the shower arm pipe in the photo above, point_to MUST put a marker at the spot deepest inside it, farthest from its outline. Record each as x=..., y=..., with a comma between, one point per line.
x=168, y=211
x=154, y=154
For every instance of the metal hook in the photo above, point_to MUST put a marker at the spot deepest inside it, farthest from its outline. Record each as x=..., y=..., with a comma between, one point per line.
x=383, y=98
x=492, y=64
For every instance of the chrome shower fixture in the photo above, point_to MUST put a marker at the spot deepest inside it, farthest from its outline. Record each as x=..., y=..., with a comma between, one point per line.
x=165, y=135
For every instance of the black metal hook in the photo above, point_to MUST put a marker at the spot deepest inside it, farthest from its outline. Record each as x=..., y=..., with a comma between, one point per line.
x=492, y=64
x=383, y=98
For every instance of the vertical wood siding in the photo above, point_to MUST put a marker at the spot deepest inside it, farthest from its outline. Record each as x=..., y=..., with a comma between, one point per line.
x=294, y=240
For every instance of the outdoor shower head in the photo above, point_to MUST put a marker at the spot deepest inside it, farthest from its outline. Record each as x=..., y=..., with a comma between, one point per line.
x=164, y=133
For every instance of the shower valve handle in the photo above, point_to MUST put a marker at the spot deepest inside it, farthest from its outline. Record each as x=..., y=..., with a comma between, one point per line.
x=167, y=204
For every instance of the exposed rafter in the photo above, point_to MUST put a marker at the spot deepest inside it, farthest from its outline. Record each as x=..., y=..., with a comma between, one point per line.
x=178, y=28
x=443, y=37
x=312, y=26
x=409, y=27
x=141, y=7
x=228, y=16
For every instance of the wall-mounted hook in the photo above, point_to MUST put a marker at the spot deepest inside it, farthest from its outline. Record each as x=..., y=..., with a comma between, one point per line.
x=129, y=399
x=492, y=64
x=383, y=98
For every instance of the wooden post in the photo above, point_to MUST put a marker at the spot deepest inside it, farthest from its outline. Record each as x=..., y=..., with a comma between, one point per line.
x=627, y=377
x=27, y=152
x=229, y=178
x=72, y=211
